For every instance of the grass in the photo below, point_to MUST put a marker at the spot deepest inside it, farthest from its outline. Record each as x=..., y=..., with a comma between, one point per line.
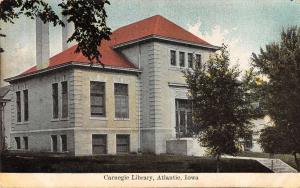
x=132, y=163
x=287, y=158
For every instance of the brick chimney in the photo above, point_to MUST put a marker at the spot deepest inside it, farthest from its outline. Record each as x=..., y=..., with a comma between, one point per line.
x=42, y=44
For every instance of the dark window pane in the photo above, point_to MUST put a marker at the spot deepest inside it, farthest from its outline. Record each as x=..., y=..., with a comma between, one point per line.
x=190, y=60
x=18, y=142
x=173, y=57
x=64, y=143
x=121, y=101
x=26, y=113
x=64, y=94
x=123, y=142
x=25, y=139
x=18, y=94
x=55, y=100
x=198, y=59
x=54, y=143
x=97, y=99
x=183, y=117
x=181, y=59
x=99, y=145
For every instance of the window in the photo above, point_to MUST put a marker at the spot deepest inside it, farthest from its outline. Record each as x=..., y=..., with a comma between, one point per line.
x=198, y=59
x=64, y=147
x=190, y=60
x=26, y=114
x=123, y=143
x=248, y=141
x=18, y=93
x=99, y=144
x=55, y=100
x=64, y=99
x=25, y=139
x=121, y=101
x=97, y=97
x=181, y=59
x=173, y=57
x=183, y=116
x=18, y=142
x=54, y=143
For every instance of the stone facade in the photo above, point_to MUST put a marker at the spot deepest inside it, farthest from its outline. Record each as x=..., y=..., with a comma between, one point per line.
x=161, y=83
x=79, y=126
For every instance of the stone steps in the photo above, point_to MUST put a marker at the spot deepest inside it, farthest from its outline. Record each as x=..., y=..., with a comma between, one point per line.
x=276, y=165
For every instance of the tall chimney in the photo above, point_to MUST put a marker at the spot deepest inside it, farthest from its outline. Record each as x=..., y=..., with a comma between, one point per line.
x=64, y=33
x=42, y=44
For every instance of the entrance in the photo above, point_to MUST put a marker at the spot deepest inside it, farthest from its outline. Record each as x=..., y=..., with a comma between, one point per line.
x=183, y=118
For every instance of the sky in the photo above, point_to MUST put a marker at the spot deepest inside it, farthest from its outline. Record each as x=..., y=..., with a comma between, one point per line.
x=244, y=25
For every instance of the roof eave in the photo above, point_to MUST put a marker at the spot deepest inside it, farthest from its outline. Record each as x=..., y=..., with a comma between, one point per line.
x=157, y=37
x=69, y=64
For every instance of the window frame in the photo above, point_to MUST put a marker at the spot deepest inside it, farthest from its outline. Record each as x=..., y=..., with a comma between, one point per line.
x=124, y=99
x=103, y=95
x=26, y=105
x=198, y=61
x=123, y=135
x=55, y=101
x=52, y=143
x=18, y=142
x=181, y=59
x=64, y=99
x=25, y=140
x=64, y=147
x=190, y=60
x=19, y=106
x=94, y=144
x=173, y=59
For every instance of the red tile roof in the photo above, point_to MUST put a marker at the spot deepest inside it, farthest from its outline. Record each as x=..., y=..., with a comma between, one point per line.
x=155, y=25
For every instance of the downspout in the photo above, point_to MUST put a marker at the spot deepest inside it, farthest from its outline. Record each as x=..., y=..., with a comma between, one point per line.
x=139, y=101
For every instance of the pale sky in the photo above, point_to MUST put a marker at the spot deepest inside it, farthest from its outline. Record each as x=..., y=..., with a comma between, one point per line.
x=245, y=25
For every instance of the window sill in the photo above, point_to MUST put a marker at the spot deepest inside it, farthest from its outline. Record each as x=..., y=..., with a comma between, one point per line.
x=54, y=120
x=178, y=68
x=23, y=123
x=61, y=119
x=121, y=119
x=99, y=118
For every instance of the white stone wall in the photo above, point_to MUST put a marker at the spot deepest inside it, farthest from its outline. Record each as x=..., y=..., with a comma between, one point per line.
x=157, y=97
x=7, y=119
x=79, y=126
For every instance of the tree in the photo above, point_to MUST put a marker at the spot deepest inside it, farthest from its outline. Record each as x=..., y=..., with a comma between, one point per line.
x=88, y=17
x=279, y=62
x=222, y=104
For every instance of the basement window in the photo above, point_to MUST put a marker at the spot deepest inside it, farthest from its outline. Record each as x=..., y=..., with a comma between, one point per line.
x=64, y=147
x=25, y=139
x=123, y=143
x=18, y=142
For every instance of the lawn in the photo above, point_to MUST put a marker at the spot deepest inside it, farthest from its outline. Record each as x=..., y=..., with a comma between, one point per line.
x=133, y=163
x=287, y=158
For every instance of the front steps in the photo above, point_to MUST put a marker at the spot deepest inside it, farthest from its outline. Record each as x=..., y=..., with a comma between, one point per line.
x=276, y=165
